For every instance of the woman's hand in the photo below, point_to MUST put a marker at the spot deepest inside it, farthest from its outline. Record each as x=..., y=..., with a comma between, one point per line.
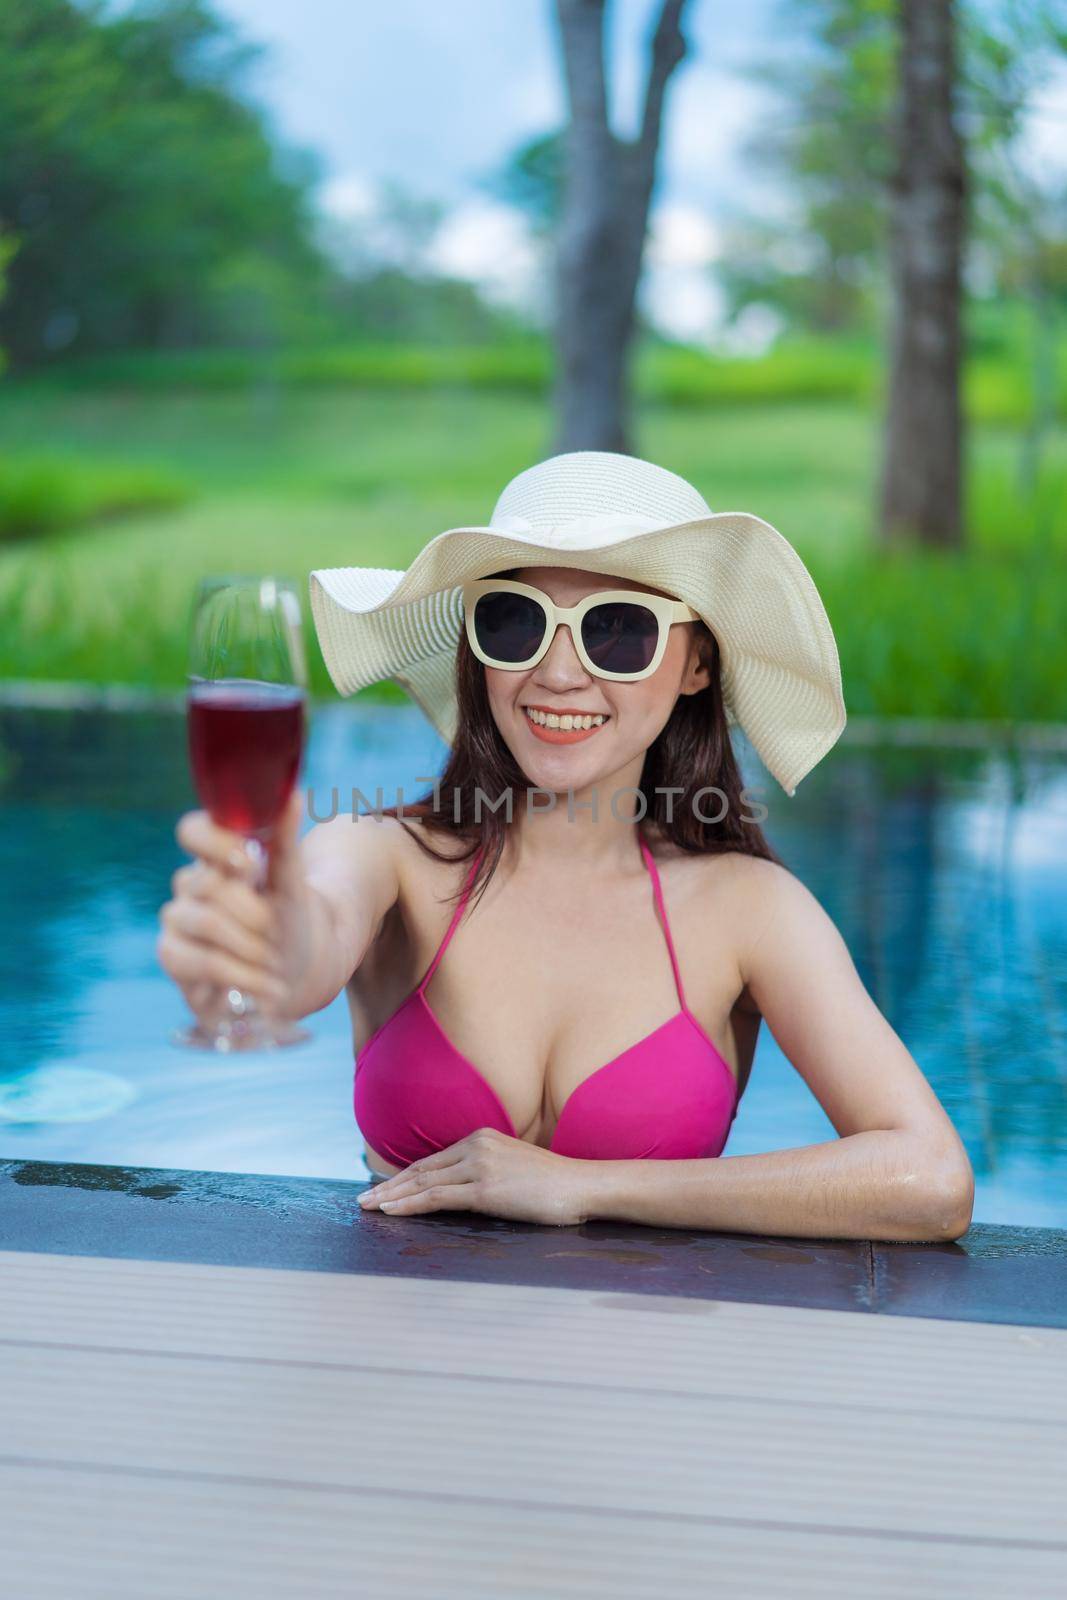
x=491, y=1172
x=221, y=931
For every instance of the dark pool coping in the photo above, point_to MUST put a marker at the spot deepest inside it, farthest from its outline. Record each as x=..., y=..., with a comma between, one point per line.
x=993, y=1274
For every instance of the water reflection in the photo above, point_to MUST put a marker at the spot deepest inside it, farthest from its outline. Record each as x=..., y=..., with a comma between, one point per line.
x=945, y=870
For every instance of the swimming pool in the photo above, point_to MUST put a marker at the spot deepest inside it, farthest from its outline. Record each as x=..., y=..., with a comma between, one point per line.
x=946, y=871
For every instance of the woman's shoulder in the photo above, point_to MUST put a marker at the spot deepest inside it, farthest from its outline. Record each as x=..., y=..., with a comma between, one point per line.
x=730, y=862
x=728, y=884
x=407, y=845
x=428, y=858
x=765, y=904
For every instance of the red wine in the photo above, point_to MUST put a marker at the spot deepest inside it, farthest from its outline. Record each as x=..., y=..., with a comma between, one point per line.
x=245, y=741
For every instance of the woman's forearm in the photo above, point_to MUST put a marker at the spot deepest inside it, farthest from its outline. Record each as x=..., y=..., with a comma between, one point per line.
x=325, y=966
x=877, y=1185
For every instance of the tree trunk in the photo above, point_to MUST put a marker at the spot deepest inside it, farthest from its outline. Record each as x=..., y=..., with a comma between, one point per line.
x=924, y=433
x=607, y=187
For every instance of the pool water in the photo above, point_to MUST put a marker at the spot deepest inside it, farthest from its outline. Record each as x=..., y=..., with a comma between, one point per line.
x=946, y=872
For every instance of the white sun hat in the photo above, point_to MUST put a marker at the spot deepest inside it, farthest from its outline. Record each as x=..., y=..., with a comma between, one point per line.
x=622, y=516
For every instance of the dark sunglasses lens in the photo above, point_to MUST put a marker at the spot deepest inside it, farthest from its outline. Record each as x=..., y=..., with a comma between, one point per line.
x=507, y=626
x=620, y=636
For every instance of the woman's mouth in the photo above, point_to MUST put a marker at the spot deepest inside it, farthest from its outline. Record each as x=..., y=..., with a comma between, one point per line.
x=562, y=727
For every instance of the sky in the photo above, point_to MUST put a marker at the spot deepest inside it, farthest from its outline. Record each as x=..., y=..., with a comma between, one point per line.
x=436, y=94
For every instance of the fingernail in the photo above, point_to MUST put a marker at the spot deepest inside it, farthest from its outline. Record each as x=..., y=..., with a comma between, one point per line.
x=387, y=1205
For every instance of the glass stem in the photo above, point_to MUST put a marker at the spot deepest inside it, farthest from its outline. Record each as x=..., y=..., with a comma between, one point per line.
x=242, y=1007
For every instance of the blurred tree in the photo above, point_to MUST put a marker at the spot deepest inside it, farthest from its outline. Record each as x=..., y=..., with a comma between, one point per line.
x=1019, y=223
x=388, y=226
x=603, y=219
x=922, y=465
x=825, y=144
x=817, y=261
x=828, y=143
x=139, y=188
x=388, y=285
x=386, y=303
x=531, y=180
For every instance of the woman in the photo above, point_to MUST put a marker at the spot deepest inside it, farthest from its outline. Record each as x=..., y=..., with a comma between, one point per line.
x=586, y=692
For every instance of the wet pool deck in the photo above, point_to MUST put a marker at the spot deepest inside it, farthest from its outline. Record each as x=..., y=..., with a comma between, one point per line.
x=217, y=1384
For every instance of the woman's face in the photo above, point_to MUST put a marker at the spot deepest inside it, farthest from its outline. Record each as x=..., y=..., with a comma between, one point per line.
x=634, y=713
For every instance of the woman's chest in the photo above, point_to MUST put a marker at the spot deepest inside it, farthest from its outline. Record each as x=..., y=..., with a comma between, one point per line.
x=572, y=1034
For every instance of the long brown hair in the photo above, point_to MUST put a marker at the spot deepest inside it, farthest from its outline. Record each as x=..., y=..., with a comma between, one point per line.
x=692, y=752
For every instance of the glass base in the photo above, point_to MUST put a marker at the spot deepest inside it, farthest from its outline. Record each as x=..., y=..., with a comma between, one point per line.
x=235, y=1034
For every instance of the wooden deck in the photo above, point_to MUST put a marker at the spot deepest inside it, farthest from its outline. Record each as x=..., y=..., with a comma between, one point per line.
x=178, y=1431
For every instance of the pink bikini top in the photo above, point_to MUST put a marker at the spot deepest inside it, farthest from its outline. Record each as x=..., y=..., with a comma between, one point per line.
x=670, y=1096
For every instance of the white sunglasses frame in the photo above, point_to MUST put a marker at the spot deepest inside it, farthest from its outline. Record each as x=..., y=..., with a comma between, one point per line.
x=666, y=611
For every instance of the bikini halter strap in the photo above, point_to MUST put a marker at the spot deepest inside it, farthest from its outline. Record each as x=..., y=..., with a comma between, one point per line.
x=457, y=913
x=658, y=892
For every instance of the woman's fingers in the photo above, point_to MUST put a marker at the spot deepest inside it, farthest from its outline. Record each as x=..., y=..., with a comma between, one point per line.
x=201, y=995
x=452, y=1155
x=228, y=851
x=451, y=1159
x=189, y=962
x=445, y=1197
x=211, y=924
x=205, y=1000
x=206, y=883
x=222, y=847
x=449, y=1166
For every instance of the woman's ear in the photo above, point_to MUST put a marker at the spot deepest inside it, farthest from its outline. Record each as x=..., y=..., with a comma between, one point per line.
x=701, y=660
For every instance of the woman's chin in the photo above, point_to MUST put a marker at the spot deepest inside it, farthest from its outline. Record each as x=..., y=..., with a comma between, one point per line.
x=572, y=761
x=572, y=769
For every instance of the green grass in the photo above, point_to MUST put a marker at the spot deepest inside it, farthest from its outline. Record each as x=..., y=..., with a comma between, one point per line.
x=995, y=381
x=39, y=493
x=287, y=479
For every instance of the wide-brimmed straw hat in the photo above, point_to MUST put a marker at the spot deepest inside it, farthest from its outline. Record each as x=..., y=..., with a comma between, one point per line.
x=615, y=514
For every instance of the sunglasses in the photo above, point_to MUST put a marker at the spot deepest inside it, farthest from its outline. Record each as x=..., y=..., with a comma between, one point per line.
x=618, y=633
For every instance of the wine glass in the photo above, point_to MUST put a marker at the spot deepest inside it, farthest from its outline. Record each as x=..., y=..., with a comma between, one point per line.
x=246, y=726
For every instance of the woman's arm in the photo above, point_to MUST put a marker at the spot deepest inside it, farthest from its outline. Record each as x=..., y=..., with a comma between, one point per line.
x=350, y=874
x=898, y=1171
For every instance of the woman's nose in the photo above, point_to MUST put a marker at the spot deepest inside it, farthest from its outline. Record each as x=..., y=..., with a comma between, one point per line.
x=561, y=662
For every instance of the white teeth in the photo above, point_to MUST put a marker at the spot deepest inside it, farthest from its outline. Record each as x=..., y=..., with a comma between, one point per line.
x=551, y=719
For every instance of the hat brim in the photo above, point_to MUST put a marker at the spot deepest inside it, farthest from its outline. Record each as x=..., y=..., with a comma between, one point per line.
x=781, y=674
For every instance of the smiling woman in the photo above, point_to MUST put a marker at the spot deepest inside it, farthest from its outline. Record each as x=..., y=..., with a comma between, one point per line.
x=584, y=1054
